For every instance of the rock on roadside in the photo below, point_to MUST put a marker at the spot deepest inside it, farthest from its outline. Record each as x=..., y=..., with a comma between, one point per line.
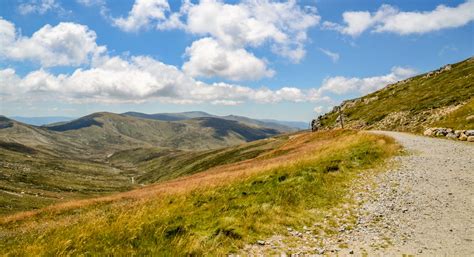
x=462, y=135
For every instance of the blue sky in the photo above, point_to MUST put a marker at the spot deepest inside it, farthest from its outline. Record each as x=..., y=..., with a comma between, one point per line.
x=288, y=60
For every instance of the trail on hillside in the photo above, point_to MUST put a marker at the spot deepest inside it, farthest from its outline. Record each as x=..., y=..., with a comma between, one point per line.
x=424, y=205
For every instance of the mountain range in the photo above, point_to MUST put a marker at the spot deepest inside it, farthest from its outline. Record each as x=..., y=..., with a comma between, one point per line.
x=40, y=121
x=100, y=134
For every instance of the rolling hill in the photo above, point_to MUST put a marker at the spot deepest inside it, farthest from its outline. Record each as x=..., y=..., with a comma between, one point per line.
x=100, y=134
x=103, y=153
x=444, y=97
x=282, y=126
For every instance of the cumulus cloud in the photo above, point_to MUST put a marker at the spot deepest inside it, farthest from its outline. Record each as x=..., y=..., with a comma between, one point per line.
x=321, y=109
x=389, y=19
x=334, y=56
x=252, y=23
x=138, y=79
x=342, y=85
x=207, y=58
x=233, y=28
x=117, y=79
x=142, y=78
x=143, y=14
x=61, y=45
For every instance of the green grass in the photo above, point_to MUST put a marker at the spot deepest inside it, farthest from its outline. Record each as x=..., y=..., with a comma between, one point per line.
x=412, y=99
x=47, y=179
x=158, y=164
x=211, y=219
x=462, y=118
x=34, y=180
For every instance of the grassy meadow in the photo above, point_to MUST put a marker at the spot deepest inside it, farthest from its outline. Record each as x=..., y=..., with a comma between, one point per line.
x=213, y=212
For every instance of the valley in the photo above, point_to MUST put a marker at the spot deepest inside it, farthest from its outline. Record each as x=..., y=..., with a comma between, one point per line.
x=105, y=153
x=298, y=180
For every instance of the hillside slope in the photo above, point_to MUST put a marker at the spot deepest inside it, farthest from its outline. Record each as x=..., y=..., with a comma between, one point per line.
x=105, y=153
x=100, y=134
x=281, y=126
x=441, y=97
x=300, y=181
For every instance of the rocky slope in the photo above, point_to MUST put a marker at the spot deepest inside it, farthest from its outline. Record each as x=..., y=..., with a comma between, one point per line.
x=444, y=97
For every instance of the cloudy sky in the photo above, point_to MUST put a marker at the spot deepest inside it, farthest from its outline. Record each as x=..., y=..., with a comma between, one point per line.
x=287, y=60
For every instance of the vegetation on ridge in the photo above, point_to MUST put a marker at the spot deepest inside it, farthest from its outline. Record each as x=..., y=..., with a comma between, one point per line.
x=415, y=103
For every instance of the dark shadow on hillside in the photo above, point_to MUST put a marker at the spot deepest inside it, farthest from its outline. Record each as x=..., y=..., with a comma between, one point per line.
x=76, y=124
x=16, y=147
x=223, y=127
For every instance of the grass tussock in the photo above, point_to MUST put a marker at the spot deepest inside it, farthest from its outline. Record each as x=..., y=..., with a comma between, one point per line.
x=213, y=212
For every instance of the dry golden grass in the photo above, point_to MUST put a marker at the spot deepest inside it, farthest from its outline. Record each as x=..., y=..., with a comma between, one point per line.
x=298, y=147
x=215, y=211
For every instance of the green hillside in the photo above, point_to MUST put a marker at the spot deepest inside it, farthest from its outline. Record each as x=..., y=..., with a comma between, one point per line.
x=158, y=164
x=293, y=181
x=277, y=125
x=441, y=97
x=100, y=134
x=105, y=153
x=31, y=179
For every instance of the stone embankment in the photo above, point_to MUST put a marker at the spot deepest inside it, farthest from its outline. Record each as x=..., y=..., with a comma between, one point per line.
x=463, y=135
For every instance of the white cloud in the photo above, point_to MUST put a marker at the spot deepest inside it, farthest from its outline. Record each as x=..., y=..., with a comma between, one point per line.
x=209, y=59
x=40, y=7
x=342, y=85
x=389, y=19
x=334, y=56
x=61, y=45
x=252, y=23
x=143, y=14
x=321, y=109
x=138, y=79
x=142, y=78
x=229, y=32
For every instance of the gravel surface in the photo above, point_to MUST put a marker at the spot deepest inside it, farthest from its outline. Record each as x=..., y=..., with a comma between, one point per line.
x=423, y=205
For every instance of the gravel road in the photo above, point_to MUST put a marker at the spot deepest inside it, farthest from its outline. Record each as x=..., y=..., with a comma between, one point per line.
x=423, y=206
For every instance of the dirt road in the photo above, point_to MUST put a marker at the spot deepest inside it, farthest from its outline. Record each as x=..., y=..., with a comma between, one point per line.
x=424, y=206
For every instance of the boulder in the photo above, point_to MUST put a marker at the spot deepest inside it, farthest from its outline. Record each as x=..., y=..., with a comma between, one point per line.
x=470, y=139
x=449, y=130
x=463, y=137
x=428, y=132
x=469, y=133
x=441, y=133
x=451, y=136
x=458, y=132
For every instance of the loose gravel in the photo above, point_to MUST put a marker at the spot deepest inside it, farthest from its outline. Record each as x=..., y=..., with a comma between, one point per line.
x=423, y=205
